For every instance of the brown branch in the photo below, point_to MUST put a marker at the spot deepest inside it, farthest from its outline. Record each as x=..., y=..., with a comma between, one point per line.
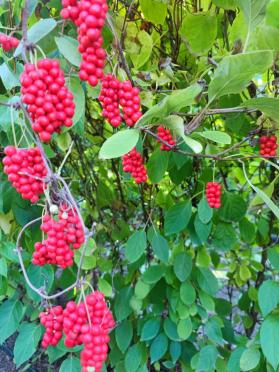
x=120, y=50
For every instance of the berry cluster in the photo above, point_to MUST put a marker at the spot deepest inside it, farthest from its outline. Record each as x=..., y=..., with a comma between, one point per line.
x=109, y=98
x=114, y=95
x=213, y=194
x=50, y=103
x=129, y=100
x=52, y=320
x=89, y=324
x=133, y=163
x=89, y=16
x=165, y=135
x=268, y=145
x=26, y=170
x=8, y=42
x=63, y=234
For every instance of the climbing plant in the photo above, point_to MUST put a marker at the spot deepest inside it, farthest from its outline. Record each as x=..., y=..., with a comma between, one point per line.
x=139, y=184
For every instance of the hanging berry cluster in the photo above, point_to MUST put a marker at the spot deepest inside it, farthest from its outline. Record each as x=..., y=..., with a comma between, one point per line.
x=268, y=145
x=50, y=103
x=213, y=194
x=165, y=135
x=63, y=234
x=87, y=323
x=133, y=163
x=52, y=320
x=115, y=96
x=8, y=42
x=89, y=16
x=26, y=170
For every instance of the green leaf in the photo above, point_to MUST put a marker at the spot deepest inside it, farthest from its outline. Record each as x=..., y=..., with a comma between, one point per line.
x=154, y=11
x=104, y=287
x=71, y=364
x=224, y=237
x=119, y=144
x=247, y=230
x=272, y=206
x=207, y=358
x=39, y=276
x=171, y=330
x=273, y=256
x=3, y=267
x=207, y=281
x=202, y=230
x=268, y=106
x=142, y=289
x=124, y=335
x=172, y=103
x=226, y=4
x=234, y=360
x=199, y=31
x=135, y=246
x=182, y=266
x=11, y=313
x=250, y=359
x=175, y=350
x=150, y=329
x=64, y=141
x=68, y=47
x=269, y=338
x=145, y=41
x=37, y=32
x=272, y=16
x=268, y=296
x=216, y=136
x=187, y=293
x=121, y=308
x=160, y=247
x=184, y=328
x=213, y=331
x=26, y=342
x=235, y=72
x=79, y=99
x=204, y=211
x=8, y=77
x=133, y=358
x=158, y=347
x=178, y=217
x=153, y=274
x=254, y=11
x=157, y=165
x=233, y=208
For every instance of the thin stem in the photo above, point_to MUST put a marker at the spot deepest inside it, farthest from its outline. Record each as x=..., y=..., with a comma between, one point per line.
x=13, y=125
x=65, y=158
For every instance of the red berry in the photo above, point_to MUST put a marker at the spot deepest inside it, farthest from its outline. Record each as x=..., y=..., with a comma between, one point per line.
x=165, y=135
x=133, y=163
x=268, y=146
x=49, y=102
x=213, y=194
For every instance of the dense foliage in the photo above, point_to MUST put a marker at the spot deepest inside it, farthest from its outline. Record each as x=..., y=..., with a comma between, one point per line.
x=192, y=288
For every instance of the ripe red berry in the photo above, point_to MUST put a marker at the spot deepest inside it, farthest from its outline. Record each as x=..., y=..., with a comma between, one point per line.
x=120, y=98
x=64, y=234
x=52, y=320
x=166, y=136
x=213, y=194
x=49, y=101
x=129, y=100
x=89, y=16
x=268, y=146
x=8, y=42
x=109, y=98
x=26, y=171
x=133, y=163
